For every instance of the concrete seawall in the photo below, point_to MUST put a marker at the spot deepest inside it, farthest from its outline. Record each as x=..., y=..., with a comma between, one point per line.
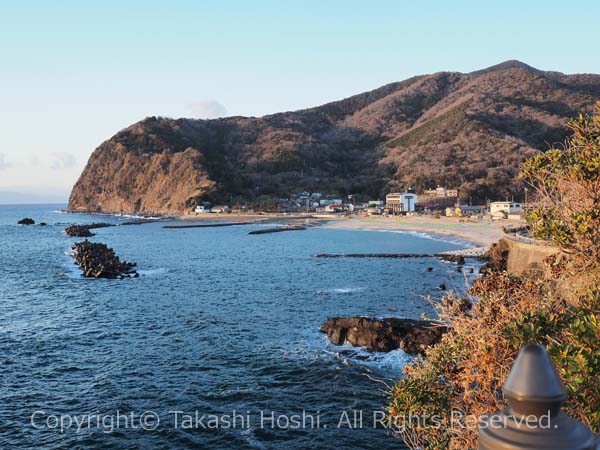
x=527, y=258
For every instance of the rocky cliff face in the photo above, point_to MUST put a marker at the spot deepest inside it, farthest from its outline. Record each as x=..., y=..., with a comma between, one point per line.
x=469, y=131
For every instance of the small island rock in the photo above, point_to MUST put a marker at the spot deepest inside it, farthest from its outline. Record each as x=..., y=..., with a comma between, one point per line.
x=383, y=335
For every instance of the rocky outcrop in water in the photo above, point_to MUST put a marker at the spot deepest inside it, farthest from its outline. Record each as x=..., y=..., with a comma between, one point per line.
x=458, y=259
x=383, y=335
x=26, y=221
x=84, y=230
x=97, y=260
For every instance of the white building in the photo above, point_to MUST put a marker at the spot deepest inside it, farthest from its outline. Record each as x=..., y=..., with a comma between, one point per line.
x=399, y=203
x=202, y=209
x=505, y=209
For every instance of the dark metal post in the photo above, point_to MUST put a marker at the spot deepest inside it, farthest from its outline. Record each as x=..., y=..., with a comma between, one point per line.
x=533, y=419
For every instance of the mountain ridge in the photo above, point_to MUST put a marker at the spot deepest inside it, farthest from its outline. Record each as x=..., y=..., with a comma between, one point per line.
x=469, y=131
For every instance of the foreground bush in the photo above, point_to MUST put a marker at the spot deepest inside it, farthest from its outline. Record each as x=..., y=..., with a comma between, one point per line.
x=437, y=403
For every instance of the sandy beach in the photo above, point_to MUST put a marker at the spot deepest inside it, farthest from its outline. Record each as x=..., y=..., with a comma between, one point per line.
x=482, y=233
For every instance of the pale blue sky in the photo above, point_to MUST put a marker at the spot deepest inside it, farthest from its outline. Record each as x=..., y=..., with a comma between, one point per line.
x=72, y=74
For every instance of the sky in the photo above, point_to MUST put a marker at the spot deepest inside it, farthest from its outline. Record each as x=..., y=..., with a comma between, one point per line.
x=74, y=73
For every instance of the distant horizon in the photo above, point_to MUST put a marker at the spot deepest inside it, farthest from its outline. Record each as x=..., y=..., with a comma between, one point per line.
x=68, y=85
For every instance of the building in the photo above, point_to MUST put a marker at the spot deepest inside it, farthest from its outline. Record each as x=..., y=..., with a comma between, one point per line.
x=374, y=211
x=220, y=209
x=356, y=208
x=505, y=209
x=401, y=203
x=441, y=191
x=202, y=209
x=472, y=210
x=334, y=208
x=465, y=210
x=330, y=201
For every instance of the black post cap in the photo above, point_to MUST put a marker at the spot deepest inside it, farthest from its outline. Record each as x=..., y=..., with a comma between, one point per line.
x=534, y=390
x=533, y=384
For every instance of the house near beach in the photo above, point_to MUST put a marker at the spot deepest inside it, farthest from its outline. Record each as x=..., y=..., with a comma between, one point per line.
x=504, y=210
x=401, y=203
x=202, y=209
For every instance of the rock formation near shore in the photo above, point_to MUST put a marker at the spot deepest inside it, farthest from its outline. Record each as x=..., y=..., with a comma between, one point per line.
x=383, y=335
x=97, y=260
x=84, y=230
x=468, y=131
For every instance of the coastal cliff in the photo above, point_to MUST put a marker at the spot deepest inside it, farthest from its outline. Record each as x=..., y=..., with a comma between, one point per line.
x=469, y=131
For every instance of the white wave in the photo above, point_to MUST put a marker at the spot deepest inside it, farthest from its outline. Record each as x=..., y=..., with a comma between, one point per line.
x=343, y=290
x=151, y=272
x=394, y=360
x=430, y=236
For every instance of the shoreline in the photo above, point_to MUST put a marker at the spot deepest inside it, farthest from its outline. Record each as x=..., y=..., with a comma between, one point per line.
x=481, y=234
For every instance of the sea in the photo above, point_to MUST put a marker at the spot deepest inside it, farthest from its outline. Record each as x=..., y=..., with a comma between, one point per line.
x=215, y=346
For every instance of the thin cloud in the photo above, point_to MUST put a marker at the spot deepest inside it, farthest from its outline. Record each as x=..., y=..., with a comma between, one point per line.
x=206, y=109
x=62, y=160
x=4, y=164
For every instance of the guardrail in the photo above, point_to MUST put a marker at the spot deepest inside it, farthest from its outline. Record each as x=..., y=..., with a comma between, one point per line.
x=533, y=419
x=526, y=240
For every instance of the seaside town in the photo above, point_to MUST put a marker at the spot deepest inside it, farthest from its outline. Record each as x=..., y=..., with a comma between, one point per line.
x=437, y=202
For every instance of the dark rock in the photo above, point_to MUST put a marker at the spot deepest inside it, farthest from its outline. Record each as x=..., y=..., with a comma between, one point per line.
x=97, y=260
x=383, y=335
x=43, y=224
x=458, y=259
x=26, y=221
x=78, y=231
x=497, y=257
x=442, y=287
x=429, y=269
x=84, y=230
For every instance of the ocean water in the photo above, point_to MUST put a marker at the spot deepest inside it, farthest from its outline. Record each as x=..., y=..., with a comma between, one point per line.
x=219, y=323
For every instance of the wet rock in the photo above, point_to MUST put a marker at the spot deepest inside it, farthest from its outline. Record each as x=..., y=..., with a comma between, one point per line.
x=97, y=260
x=497, y=257
x=78, y=231
x=26, y=221
x=441, y=287
x=458, y=259
x=383, y=335
x=429, y=269
x=43, y=224
x=84, y=230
